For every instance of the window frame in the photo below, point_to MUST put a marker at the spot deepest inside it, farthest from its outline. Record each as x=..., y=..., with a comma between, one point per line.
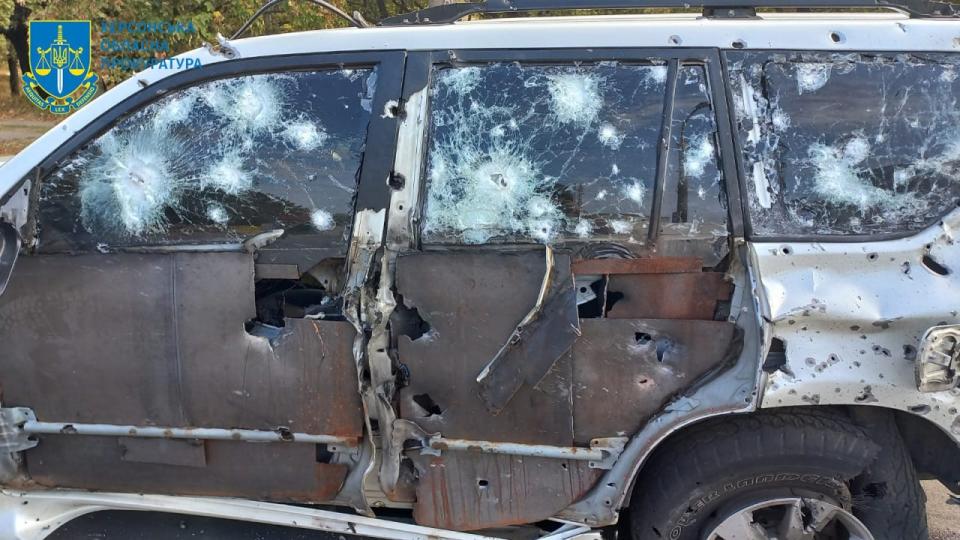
x=750, y=235
x=422, y=70
x=379, y=143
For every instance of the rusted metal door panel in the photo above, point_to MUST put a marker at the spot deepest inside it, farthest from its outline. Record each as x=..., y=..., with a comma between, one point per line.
x=87, y=339
x=472, y=301
x=642, y=265
x=626, y=370
x=282, y=472
x=690, y=295
x=160, y=340
x=467, y=491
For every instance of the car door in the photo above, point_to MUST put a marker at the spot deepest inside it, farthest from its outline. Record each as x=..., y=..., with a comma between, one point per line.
x=566, y=278
x=176, y=322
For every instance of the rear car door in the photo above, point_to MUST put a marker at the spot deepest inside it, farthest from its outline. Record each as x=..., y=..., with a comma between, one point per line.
x=566, y=280
x=179, y=296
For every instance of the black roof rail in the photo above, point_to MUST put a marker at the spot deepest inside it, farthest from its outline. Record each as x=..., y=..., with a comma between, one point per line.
x=450, y=13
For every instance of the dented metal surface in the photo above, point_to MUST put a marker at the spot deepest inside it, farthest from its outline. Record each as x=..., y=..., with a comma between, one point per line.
x=729, y=391
x=467, y=330
x=937, y=360
x=852, y=316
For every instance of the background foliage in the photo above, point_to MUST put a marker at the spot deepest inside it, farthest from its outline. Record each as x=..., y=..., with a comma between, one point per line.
x=209, y=17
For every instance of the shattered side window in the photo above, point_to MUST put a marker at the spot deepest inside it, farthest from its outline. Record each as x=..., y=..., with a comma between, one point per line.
x=847, y=144
x=694, y=198
x=534, y=153
x=218, y=162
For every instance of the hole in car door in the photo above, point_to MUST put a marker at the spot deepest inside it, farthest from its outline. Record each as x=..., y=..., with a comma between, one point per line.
x=187, y=275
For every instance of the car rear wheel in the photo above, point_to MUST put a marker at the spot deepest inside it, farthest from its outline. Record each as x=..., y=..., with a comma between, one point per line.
x=788, y=475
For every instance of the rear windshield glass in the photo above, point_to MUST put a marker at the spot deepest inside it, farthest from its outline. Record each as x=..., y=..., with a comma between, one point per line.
x=840, y=144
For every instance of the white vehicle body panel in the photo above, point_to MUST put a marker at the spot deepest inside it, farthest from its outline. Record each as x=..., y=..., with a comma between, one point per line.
x=852, y=316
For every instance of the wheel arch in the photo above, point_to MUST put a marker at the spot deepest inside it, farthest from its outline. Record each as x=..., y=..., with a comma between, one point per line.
x=934, y=453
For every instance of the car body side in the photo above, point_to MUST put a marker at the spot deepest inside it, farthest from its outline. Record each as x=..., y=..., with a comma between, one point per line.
x=849, y=317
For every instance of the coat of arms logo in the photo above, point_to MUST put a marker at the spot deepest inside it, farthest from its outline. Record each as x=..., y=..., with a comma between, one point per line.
x=60, y=79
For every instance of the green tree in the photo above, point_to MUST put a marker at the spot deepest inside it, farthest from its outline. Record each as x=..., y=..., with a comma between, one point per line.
x=209, y=18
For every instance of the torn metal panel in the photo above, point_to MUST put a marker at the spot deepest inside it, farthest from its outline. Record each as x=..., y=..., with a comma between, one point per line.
x=937, y=362
x=729, y=391
x=468, y=491
x=495, y=290
x=667, y=296
x=272, y=472
x=542, y=337
x=167, y=343
x=643, y=265
x=852, y=316
x=625, y=371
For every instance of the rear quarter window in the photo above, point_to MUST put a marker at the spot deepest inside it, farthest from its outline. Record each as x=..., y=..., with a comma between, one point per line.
x=843, y=144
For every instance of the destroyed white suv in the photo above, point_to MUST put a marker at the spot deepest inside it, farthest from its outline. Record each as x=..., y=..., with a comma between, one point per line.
x=686, y=275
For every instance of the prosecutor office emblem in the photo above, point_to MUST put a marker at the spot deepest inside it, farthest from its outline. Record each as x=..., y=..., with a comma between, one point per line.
x=60, y=79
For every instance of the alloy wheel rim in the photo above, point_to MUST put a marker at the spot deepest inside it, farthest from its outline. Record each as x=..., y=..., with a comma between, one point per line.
x=792, y=518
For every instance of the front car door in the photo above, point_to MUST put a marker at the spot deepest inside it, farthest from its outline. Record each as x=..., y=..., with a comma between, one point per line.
x=176, y=322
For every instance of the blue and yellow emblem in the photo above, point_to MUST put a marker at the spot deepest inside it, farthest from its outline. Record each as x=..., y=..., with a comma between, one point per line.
x=60, y=77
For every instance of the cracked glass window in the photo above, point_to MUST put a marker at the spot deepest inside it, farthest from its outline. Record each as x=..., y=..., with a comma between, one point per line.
x=694, y=198
x=534, y=153
x=847, y=144
x=219, y=162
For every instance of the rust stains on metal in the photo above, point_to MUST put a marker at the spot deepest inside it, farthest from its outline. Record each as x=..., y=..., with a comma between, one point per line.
x=643, y=265
x=469, y=491
x=684, y=296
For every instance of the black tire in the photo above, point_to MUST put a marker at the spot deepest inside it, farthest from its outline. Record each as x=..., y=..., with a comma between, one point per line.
x=707, y=473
